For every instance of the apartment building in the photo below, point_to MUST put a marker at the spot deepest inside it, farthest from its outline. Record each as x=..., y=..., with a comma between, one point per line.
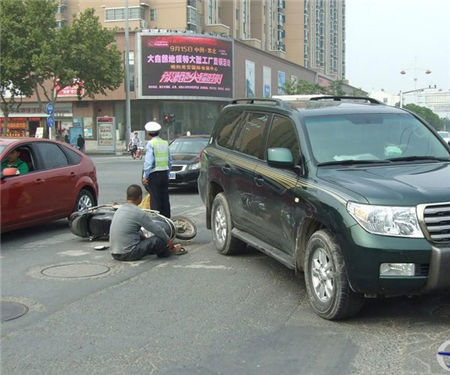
x=310, y=33
x=224, y=48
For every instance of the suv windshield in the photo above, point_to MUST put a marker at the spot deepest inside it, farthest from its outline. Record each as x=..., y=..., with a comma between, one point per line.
x=371, y=137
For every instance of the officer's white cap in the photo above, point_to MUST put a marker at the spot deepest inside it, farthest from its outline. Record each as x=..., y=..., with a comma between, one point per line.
x=152, y=126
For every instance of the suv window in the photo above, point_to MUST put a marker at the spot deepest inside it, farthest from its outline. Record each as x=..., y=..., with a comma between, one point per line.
x=282, y=134
x=52, y=155
x=251, y=140
x=229, y=128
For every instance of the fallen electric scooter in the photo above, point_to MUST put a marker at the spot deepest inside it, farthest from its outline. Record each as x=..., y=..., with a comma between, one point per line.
x=94, y=223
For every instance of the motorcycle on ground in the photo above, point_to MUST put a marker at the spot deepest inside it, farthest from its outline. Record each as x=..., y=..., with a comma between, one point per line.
x=94, y=223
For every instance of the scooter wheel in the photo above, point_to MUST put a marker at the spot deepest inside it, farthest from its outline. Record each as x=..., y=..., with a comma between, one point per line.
x=185, y=228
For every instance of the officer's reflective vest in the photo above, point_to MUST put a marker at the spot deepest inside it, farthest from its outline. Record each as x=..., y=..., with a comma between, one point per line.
x=161, y=153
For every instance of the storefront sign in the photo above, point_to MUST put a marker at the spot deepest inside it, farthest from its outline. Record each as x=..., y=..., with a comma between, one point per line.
x=70, y=91
x=180, y=65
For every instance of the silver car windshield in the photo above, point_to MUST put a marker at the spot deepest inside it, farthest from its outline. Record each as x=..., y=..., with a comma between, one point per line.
x=371, y=137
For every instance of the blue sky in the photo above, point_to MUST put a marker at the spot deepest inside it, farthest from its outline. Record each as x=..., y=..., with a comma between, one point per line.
x=384, y=37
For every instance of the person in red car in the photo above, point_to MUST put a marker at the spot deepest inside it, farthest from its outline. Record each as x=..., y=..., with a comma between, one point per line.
x=13, y=161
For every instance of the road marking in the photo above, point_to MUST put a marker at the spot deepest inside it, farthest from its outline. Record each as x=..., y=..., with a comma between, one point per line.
x=203, y=266
x=74, y=253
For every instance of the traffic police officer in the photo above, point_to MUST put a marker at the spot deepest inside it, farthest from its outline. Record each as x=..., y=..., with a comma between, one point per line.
x=157, y=164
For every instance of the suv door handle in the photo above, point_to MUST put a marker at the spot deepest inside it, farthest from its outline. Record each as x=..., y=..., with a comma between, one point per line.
x=39, y=181
x=259, y=181
x=72, y=174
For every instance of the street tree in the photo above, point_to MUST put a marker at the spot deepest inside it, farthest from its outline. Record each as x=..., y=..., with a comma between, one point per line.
x=427, y=114
x=302, y=87
x=82, y=55
x=37, y=57
x=26, y=25
x=336, y=88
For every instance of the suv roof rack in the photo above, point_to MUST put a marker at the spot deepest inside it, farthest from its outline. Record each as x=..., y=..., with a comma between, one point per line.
x=341, y=98
x=257, y=100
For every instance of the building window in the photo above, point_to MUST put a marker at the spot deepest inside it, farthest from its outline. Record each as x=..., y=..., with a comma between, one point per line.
x=118, y=14
x=245, y=19
x=192, y=16
x=61, y=23
x=212, y=7
x=61, y=9
x=152, y=14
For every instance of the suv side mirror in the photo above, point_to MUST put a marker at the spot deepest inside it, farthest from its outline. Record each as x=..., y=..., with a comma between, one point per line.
x=8, y=172
x=280, y=157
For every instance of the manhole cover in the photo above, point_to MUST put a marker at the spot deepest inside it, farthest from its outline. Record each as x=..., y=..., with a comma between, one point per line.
x=442, y=311
x=75, y=270
x=12, y=310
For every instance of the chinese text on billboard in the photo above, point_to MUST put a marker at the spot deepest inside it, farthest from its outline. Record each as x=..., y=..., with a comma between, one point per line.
x=175, y=65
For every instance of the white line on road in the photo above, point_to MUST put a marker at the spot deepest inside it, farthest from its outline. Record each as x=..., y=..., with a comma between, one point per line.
x=204, y=266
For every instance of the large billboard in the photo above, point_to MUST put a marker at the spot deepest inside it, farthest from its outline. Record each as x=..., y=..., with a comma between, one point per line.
x=185, y=66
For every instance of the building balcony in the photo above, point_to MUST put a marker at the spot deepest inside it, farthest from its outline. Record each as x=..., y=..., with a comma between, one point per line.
x=253, y=42
x=218, y=28
x=278, y=52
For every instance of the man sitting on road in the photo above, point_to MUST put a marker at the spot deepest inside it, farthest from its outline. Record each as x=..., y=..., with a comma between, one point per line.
x=13, y=161
x=126, y=239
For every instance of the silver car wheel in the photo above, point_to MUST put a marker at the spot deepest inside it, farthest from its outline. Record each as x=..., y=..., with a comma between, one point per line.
x=84, y=202
x=220, y=225
x=322, y=275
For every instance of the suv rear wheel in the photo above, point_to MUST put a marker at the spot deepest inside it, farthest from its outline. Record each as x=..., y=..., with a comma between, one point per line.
x=326, y=279
x=221, y=226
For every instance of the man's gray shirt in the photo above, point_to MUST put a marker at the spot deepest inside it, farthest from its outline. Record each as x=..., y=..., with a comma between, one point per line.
x=126, y=224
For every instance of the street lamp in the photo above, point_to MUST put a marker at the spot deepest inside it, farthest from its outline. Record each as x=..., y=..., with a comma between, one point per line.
x=403, y=72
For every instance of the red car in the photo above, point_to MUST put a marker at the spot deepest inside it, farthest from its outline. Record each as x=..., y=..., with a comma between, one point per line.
x=56, y=181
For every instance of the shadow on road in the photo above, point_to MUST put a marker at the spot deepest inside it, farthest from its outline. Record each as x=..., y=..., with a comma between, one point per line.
x=36, y=232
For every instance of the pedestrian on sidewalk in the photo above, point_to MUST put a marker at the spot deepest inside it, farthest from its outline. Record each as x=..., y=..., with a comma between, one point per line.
x=126, y=239
x=80, y=142
x=157, y=164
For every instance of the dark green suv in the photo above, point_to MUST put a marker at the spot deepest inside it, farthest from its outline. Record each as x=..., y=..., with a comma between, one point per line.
x=353, y=192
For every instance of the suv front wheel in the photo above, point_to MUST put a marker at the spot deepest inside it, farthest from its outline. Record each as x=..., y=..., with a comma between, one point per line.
x=326, y=279
x=221, y=226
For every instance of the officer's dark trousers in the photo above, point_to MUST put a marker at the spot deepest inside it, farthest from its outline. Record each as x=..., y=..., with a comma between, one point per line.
x=158, y=187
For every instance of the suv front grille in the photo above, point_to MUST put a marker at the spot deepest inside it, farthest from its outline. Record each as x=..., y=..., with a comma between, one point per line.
x=422, y=269
x=437, y=222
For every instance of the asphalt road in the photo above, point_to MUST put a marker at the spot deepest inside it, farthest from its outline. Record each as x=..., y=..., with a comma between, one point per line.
x=200, y=313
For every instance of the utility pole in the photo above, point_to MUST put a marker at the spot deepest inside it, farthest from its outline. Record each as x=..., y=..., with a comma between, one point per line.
x=127, y=79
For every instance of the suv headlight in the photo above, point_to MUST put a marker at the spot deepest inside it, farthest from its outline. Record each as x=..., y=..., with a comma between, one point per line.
x=386, y=220
x=194, y=166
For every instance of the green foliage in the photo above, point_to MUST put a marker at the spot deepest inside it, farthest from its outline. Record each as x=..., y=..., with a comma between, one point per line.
x=307, y=88
x=427, y=114
x=336, y=88
x=38, y=57
x=302, y=87
x=25, y=25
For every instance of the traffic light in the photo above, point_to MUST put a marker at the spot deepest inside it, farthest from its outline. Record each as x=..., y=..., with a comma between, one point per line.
x=166, y=119
x=172, y=118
